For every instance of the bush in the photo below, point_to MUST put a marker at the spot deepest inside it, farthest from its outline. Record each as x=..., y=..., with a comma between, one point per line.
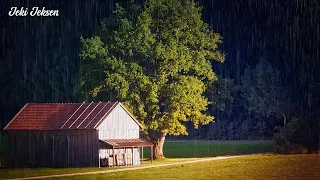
x=290, y=139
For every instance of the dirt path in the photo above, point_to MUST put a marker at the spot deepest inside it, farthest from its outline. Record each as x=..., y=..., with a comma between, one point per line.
x=131, y=169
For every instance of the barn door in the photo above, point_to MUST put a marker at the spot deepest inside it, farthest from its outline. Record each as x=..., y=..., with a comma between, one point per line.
x=60, y=151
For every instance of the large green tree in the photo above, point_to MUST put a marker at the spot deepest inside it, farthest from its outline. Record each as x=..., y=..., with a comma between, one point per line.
x=264, y=93
x=156, y=59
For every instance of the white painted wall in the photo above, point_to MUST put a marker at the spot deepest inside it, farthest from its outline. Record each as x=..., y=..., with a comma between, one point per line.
x=118, y=125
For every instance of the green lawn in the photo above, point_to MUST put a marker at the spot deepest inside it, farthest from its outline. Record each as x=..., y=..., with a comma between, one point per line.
x=249, y=167
x=28, y=172
x=202, y=148
x=195, y=149
x=174, y=151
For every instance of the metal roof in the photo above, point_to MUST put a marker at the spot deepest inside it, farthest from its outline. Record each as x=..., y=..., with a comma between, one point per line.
x=62, y=116
x=121, y=143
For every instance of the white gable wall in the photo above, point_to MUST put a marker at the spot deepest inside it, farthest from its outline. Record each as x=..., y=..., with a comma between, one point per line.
x=118, y=125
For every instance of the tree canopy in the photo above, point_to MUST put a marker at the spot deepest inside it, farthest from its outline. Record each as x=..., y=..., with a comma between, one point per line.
x=156, y=58
x=263, y=91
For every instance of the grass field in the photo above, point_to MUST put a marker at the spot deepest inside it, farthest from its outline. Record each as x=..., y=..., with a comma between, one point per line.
x=187, y=150
x=249, y=167
x=29, y=172
x=196, y=149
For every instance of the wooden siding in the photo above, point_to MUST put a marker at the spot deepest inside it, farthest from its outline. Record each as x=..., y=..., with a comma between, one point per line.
x=118, y=125
x=71, y=148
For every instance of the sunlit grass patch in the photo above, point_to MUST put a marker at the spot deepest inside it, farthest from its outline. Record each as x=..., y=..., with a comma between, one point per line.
x=29, y=172
x=267, y=166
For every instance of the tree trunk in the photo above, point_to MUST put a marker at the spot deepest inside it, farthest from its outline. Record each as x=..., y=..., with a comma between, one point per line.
x=158, y=148
x=284, y=119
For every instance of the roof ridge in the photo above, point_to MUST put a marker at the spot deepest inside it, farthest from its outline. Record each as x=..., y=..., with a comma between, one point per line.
x=57, y=103
x=70, y=102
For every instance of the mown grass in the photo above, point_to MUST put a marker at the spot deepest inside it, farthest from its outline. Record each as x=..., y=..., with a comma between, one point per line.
x=174, y=151
x=29, y=172
x=197, y=149
x=265, y=166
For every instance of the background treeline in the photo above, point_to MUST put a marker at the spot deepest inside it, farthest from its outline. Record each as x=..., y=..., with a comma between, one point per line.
x=40, y=60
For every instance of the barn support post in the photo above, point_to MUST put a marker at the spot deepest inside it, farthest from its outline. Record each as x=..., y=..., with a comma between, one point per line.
x=68, y=150
x=53, y=151
x=99, y=161
x=29, y=153
x=132, y=156
x=114, y=156
x=151, y=154
x=142, y=155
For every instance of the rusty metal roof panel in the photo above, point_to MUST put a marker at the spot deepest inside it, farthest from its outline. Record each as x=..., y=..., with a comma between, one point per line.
x=103, y=113
x=42, y=116
x=91, y=116
x=75, y=116
x=83, y=116
x=57, y=116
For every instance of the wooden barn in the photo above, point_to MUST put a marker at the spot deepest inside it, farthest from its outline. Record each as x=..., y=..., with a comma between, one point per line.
x=74, y=135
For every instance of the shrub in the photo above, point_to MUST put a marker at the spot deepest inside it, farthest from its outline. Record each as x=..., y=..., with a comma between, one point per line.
x=289, y=139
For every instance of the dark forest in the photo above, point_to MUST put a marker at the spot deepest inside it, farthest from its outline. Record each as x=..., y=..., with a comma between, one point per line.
x=270, y=46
